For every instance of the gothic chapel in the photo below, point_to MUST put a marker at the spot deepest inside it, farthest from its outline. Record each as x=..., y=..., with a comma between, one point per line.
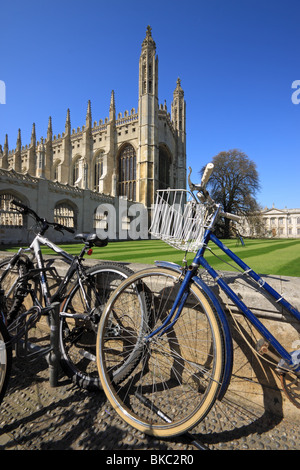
x=65, y=177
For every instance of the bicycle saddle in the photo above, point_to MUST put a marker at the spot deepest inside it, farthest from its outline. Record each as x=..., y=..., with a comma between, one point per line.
x=91, y=239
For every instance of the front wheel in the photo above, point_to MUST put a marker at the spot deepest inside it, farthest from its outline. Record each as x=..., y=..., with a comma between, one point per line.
x=180, y=368
x=5, y=359
x=79, y=319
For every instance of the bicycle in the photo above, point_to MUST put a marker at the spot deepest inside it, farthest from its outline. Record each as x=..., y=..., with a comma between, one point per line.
x=81, y=293
x=5, y=349
x=187, y=352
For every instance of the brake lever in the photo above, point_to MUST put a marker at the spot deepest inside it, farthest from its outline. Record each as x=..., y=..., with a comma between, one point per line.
x=193, y=186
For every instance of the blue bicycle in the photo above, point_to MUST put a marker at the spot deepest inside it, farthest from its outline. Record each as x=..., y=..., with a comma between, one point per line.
x=186, y=349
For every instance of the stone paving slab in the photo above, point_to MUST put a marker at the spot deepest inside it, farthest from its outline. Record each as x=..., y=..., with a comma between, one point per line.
x=36, y=416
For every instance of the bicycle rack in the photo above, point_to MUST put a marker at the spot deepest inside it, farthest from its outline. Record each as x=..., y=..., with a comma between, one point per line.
x=25, y=348
x=54, y=356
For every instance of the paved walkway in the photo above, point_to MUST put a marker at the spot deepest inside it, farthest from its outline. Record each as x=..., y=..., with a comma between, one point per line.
x=35, y=416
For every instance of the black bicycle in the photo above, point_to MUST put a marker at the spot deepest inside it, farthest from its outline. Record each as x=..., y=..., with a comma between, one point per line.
x=29, y=281
x=5, y=349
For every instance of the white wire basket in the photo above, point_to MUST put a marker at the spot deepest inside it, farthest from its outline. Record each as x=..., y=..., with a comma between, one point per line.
x=178, y=219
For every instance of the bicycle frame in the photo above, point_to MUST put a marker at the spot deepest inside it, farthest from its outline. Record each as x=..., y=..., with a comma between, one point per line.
x=36, y=248
x=198, y=261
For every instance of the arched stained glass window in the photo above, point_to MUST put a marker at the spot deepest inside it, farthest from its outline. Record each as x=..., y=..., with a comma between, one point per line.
x=127, y=172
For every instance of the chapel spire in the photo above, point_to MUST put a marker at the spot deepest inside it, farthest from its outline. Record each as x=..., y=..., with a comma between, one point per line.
x=4, y=159
x=33, y=136
x=49, y=130
x=112, y=107
x=68, y=123
x=6, y=144
x=88, y=119
x=149, y=41
x=19, y=141
x=148, y=70
x=178, y=108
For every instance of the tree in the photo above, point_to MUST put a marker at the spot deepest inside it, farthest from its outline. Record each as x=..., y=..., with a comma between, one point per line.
x=234, y=184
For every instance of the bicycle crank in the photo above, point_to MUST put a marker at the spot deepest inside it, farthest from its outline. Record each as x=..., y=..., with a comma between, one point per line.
x=87, y=355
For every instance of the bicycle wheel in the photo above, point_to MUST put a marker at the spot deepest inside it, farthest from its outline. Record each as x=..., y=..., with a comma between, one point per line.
x=179, y=373
x=5, y=359
x=10, y=286
x=80, y=315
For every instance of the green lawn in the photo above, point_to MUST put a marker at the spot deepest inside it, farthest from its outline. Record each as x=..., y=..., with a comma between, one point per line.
x=271, y=256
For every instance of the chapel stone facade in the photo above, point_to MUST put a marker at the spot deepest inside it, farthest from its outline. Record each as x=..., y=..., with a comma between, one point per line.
x=128, y=155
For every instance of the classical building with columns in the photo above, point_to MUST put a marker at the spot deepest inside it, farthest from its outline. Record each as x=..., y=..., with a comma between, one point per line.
x=282, y=223
x=273, y=223
x=127, y=155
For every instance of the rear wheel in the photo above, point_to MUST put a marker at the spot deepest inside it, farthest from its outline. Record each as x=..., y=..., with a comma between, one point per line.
x=5, y=359
x=180, y=369
x=80, y=316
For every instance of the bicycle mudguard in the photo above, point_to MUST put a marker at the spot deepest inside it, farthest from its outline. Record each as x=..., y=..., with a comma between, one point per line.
x=223, y=319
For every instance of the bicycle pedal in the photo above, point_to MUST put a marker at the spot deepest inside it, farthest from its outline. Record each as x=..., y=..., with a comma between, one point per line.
x=78, y=316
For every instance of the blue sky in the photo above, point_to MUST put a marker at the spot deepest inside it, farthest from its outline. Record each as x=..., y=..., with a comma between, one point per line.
x=237, y=60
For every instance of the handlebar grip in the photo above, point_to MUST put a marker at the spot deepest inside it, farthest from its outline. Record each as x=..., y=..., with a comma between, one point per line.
x=60, y=227
x=207, y=172
x=234, y=217
x=68, y=229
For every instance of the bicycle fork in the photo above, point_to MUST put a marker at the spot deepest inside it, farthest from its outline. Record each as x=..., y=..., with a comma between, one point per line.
x=176, y=307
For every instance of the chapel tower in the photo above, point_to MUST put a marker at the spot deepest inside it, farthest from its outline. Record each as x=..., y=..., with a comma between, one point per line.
x=148, y=119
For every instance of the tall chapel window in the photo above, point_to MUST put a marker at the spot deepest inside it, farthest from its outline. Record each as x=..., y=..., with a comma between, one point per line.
x=127, y=172
x=55, y=171
x=163, y=169
x=98, y=171
x=75, y=172
x=9, y=217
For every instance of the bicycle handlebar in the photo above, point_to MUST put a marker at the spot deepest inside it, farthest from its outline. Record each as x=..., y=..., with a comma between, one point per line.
x=27, y=210
x=203, y=194
x=227, y=215
x=206, y=174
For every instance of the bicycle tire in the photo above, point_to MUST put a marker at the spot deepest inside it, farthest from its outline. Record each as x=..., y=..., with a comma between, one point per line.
x=179, y=374
x=78, y=336
x=13, y=290
x=5, y=359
